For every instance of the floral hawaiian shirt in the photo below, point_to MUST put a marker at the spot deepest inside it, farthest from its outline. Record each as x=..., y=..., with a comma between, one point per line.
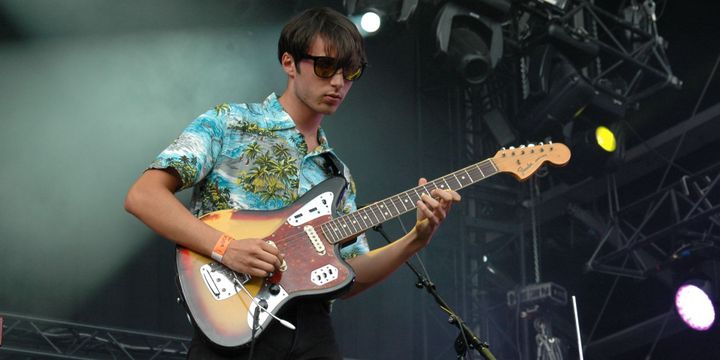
x=251, y=156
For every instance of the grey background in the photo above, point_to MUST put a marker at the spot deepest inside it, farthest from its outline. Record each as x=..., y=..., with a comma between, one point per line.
x=91, y=91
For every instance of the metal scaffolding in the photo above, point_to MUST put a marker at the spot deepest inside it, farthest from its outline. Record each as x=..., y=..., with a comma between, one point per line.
x=26, y=337
x=671, y=224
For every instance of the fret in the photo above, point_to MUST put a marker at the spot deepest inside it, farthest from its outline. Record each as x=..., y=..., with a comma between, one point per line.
x=374, y=214
x=429, y=189
x=327, y=234
x=468, y=175
x=365, y=216
x=355, y=221
x=409, y=200
x=446, y=184
x=362, y=218
x=460, y=184
x=395, y=206
x=334, y=230
x=338, y=230
x=380, y=208
x=480, y=170
x=388, y=214
x=454, y=178
x=346, y=225
x=425, y=191
x=492, y=164
x=343, y=227
x=402, y=202
x=489, y=167
x=418, y=195
x=384, y=210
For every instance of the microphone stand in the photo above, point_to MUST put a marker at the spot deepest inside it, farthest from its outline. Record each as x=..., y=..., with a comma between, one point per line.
x=466, y=339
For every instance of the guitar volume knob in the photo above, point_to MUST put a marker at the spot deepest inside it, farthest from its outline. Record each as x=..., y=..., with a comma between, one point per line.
x=274, y=289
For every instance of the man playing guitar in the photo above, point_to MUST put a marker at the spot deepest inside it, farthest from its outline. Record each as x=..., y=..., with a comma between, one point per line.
x=264, y=156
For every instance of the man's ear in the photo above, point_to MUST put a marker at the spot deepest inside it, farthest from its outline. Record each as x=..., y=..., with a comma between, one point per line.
x=288, y=64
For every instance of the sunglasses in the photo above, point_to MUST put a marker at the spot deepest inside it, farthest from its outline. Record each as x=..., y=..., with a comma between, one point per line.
x=326, y=67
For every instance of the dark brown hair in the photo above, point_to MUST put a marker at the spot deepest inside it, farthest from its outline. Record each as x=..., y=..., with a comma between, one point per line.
x=341, y=36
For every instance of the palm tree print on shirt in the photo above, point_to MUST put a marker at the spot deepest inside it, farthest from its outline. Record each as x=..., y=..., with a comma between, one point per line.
x=272, y=174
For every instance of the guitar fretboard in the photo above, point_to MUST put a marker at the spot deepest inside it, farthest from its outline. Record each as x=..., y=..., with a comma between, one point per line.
x=348, y=226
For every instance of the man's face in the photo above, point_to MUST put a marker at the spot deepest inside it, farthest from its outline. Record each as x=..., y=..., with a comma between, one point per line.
x=319, y=94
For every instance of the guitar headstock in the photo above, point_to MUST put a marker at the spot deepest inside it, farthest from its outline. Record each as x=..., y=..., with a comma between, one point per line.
x=523, y=161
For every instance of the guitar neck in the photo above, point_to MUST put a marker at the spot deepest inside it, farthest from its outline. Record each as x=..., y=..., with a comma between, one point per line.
x=348, y=226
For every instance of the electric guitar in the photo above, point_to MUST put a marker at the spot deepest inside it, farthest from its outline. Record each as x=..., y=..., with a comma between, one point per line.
x=226, y=305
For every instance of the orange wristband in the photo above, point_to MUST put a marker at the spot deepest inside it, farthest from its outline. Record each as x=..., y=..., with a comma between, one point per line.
x=220, y=246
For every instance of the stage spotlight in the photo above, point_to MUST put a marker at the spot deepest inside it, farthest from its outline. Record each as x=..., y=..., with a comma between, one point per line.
x=472, y=43
x=557, y=95
x=560, y=4
x=370, y=15
x=605, y=138
x=370, y=21
x=597, y=149
x=603, y=141
x=694, y=305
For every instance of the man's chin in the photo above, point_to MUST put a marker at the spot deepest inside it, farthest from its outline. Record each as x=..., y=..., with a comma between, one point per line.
x=326, y=109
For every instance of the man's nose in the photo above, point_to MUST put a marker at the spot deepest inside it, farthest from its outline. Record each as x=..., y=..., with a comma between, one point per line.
x=337, y=79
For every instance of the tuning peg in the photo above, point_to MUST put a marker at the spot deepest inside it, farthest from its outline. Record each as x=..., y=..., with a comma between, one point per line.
x=522, y=146
x=531, y=145
x=512, y=148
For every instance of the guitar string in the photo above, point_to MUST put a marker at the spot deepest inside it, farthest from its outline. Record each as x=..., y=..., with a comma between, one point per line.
x=476, y=169
x=291, y=241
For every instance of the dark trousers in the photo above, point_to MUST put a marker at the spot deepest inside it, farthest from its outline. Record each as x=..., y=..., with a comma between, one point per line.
x=313, y=338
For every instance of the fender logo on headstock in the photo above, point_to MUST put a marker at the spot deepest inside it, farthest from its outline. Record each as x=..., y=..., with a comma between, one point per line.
x=530, y=165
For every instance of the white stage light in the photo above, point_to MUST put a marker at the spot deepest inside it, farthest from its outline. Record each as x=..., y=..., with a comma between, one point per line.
x=370, y=22
x=694, y=306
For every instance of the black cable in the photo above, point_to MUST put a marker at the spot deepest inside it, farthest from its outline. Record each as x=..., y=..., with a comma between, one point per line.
x=256, y=320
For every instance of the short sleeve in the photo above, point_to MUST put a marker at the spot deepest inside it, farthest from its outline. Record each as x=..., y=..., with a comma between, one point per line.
x=194, y=152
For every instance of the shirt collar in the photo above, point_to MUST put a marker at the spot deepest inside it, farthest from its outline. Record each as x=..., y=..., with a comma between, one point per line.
x=277, y=118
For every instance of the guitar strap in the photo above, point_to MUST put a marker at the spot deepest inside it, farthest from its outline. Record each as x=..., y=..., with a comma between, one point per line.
x=334, y=167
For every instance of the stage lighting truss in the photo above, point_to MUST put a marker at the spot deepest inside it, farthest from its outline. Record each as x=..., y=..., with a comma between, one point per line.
x=675, y=225
x=626, y=50
x=31, y=337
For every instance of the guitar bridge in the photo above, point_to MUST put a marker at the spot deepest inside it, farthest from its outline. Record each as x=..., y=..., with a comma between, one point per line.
x=220, y=280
